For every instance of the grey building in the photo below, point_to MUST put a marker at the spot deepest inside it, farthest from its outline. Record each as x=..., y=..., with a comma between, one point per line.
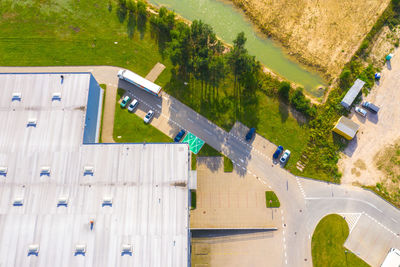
x=352, y=94
x=66, y=200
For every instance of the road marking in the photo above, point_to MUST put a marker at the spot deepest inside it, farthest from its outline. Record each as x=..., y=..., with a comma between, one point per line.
x=344, y=198
x=189, y=119
x=241, y=160
x=207, y=131
x=393, y=220
x=380, y=224
x=159, y=106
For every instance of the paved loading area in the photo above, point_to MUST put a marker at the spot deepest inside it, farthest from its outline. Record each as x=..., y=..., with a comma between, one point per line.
x=227, y=200
x=371, y=240
x=253, y=249
x=376, y=130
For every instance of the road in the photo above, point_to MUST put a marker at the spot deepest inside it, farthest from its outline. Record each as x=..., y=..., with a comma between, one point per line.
x=303, y=201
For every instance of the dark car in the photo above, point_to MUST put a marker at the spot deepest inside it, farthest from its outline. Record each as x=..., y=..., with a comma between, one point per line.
x=277, y=152
x=250, y=134
x=371, y=107
x=179, y=136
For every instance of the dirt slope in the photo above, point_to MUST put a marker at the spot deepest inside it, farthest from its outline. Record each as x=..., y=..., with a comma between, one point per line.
x=323, y=34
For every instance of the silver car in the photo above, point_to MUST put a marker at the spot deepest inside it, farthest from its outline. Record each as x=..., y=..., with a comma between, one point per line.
x=148, y=116
x=285, y=157
x=361, y=111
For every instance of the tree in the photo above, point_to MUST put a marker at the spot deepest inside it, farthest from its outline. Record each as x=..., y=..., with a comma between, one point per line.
x=284, y=89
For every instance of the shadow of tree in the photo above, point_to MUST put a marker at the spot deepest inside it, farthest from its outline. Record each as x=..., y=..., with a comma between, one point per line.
x=283, y=111
x=131, y=25
x=121, y=13
x=141, y=25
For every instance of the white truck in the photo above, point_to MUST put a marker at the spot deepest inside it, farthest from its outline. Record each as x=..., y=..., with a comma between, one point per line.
x=140, y=82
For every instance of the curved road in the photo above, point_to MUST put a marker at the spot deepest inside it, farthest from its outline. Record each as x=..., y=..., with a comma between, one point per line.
x=303, y=201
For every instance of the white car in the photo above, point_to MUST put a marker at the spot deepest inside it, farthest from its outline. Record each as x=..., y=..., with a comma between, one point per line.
x=285, y=157
x=361, y=111
x=148, y=116
x=132, y=105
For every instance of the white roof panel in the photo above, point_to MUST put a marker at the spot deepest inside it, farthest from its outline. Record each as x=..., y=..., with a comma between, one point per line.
x=147, y=185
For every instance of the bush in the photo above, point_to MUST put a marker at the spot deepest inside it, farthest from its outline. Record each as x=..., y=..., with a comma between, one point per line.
x=284, y=89
x=228, y=165
x=301, y=103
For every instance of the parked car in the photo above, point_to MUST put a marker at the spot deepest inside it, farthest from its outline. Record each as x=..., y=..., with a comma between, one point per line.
x=179, y=136
x=250, y=134
x=285, y=157
x=125, y=101
x=361, y=111
x=148, y=116
x=277, y=152
x=371, y=107
x=133, y=105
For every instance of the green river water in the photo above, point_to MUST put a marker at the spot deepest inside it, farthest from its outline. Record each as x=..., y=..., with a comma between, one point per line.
x=227, y=22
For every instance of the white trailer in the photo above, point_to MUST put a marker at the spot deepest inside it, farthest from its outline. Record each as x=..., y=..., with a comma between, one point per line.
x=140, y=82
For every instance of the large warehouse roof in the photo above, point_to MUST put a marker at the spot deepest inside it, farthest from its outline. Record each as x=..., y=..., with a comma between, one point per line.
x=52, y=185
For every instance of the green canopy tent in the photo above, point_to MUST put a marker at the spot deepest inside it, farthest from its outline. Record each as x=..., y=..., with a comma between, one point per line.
x=195, y=143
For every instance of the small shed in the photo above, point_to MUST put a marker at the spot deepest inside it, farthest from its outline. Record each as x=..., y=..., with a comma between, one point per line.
x=346, y=128
x=352, y=93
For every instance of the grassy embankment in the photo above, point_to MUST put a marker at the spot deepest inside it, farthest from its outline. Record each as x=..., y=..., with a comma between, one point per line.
x=327, y=244
x=71, y=33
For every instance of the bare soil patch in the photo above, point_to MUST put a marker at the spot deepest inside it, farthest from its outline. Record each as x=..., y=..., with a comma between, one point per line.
x=321, y=34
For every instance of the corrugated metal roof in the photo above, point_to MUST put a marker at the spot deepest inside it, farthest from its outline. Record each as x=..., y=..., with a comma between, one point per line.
x=139, y=80
x=147, y=185
x=347, y=126
x=352, y=93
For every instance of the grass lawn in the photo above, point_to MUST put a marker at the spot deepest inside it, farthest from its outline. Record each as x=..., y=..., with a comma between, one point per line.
x=208, y=151
x=228, y=165
x=193, y=199
x=271, y=200
x=194, y=162
x=132, y=128
x=327, y=244
x=70, y=32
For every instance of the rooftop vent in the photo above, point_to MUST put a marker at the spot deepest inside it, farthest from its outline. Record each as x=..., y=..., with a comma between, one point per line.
x=88, y=170
x=45, y=170
x=126, y=249
x=80, y=249
x=3, y=170
x=107, y=201
x=16, y=96
x=33, y=250
x=18, y=201
x=62, y=201
x=56, y=96
x=31, y=122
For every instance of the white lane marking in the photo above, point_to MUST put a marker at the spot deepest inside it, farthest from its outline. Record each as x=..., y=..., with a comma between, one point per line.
x=159, y=106
x=241, y=160
x=344, y=198
x=380, y=224
x=207, y=131
x=393, y=220
x=189, y=119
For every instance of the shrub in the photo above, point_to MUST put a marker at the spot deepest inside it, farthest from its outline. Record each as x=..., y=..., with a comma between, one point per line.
x=284, y=89
x=301, y=103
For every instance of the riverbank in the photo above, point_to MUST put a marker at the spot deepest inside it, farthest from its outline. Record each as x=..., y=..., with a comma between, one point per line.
x=324, y=37
x=230, y=22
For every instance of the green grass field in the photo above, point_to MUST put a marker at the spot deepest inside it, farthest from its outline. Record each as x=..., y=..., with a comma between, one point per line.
x=271, y=200
x=69, y=32
x=327, y=244
x=228, y=164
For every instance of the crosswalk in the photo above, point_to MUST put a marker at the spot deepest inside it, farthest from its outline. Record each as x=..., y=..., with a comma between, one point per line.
x=351, y=219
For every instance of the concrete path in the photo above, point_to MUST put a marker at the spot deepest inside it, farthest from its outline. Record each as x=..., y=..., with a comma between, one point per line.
x=155, y=72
